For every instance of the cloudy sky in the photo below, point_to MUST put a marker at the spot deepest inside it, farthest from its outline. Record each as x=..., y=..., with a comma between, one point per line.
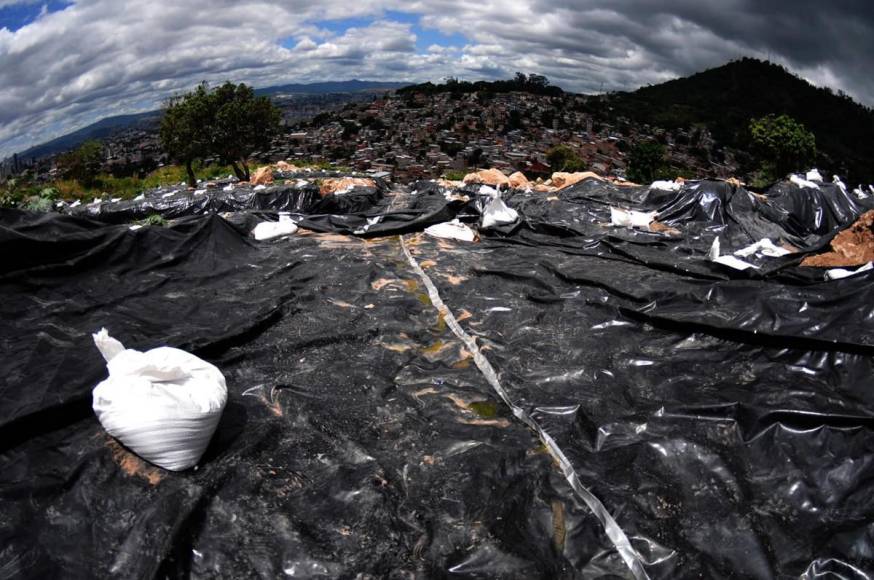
x=65, y=64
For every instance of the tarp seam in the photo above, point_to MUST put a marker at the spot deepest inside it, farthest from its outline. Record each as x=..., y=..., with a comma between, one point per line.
x=617, y=536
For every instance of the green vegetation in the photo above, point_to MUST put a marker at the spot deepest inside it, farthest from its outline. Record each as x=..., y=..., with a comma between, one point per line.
x=453, y=175
x=82, y=163
x=727, y=98
x=646, y=162
x=153, y=220
x=534, y=84
x=26, y=195
x=485, y=409
x=564, y=158
x=229, y=122
x=781, y=145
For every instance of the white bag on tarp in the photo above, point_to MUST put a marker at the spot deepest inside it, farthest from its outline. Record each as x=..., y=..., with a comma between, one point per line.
x=269, y=230
x=497, y=213
x=164, y=404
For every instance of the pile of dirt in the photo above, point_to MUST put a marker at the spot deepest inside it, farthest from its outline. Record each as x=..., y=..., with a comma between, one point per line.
x=493, y=177
x=852, y=247
x=262, y=176
x=344, y=184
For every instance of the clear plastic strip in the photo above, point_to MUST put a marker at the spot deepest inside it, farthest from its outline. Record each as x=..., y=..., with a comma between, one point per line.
x=626, y=551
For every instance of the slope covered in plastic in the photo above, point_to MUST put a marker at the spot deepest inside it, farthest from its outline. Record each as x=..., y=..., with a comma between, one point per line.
x=722, y=418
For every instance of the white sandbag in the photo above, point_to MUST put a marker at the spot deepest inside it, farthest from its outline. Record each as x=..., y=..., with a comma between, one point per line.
x=163, y=404
x=454, y=230
x=730, y=261
x=496, y=213
x=763, y=247
x=814, y=175
x=839, y=273
x=666, y=185
x=629, y=218
x=268, y=230
x=801, y=182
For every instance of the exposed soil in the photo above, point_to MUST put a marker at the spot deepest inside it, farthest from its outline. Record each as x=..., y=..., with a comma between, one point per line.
x=852, y=247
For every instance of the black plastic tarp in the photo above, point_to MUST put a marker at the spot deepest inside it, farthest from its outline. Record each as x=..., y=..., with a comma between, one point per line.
x=723, y=418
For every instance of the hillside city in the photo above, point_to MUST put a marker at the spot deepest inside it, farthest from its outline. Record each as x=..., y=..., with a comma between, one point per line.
x=415, y=135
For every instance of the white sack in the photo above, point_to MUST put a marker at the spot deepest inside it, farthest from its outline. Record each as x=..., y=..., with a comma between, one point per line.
x=268, y=230
x=164, y=404
x=765, y=247
x=629, y=218
x=800, y=182
x=666, y=185
x=454, y=230
x=838, y=273
x=496, y=213
x=814, y=175
x=730, y=261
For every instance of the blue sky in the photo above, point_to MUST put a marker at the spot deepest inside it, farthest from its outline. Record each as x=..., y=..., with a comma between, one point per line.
x=17, y=15
x=64, y=65
x=425, y=37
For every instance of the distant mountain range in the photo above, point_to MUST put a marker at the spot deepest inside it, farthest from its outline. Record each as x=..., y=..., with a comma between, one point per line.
x=724, y=99
x=353, y=86
x=148, y=120
x=100, y=130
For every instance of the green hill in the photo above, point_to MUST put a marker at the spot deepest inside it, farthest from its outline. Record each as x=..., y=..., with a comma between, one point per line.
x=724, y=99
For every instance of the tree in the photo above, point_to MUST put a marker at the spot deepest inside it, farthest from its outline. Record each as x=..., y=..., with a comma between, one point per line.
x=186, y=126
x=645, y=160
x=564, y=158
x=229, y=122
x=781, y=144
x=83, y=163
x=243, y=123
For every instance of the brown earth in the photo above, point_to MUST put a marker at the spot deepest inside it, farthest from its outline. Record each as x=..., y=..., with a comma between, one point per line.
x=853, y=246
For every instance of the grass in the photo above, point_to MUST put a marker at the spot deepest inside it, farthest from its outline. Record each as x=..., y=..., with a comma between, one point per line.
x=18, y=193
x=454, y=175
x=153, y=220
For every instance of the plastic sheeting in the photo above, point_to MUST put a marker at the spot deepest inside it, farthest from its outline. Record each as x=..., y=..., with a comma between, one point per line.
x=723, y=419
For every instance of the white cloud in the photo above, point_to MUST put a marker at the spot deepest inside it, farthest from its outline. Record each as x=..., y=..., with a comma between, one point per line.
x=100, y=57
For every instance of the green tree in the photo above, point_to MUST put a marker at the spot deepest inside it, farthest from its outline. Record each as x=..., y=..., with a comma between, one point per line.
x=83, y=163
x=781, y=145
x=186, y=127
x=243, y=124
x=645, y=161
x=229, y=122
x=564, y=158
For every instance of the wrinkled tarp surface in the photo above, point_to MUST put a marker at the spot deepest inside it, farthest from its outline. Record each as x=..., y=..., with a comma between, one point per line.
x=724, y=418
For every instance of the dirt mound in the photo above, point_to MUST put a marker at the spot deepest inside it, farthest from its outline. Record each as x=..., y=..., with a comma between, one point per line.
x=561, y=179
x=342, y=185
x=493, y=177
x=262, y=176
x=519, y=181
x=852, y=247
